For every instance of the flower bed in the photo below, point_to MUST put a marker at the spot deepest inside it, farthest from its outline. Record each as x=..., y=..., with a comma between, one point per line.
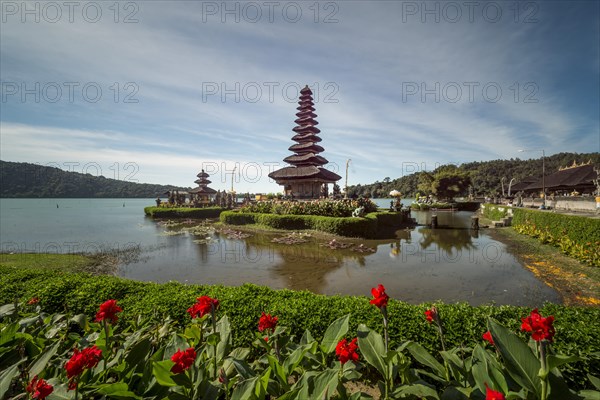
x=298, y=311
x=72, y=356
x=323, y=208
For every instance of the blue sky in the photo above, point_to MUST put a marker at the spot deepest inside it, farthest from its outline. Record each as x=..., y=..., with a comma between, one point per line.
x=401, y=85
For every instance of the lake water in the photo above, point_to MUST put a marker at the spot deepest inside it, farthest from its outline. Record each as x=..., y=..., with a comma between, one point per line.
x=418, y=265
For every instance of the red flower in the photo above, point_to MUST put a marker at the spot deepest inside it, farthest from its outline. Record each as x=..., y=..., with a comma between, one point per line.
x=33, y=300
x=88, y=358
x=266, y=321
x=203, y=306
x=380, y=298
x=541, y=328
x=108, y=310
x=488, y=337
x=492, y=394
x=346, y=351
x=183, y=360
x=431, y=315
x=39, y=388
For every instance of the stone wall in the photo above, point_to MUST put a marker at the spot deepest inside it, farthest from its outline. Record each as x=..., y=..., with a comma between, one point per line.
x=583, y=204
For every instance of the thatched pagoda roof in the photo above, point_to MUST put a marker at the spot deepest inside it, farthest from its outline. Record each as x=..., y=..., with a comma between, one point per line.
x=308, y=172
x=203, y=190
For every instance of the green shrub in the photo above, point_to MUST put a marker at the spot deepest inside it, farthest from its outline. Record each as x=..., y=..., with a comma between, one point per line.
x=576, y=333
x=576, y=236
x=494, y=212
x=183, y=212
x=344, y=226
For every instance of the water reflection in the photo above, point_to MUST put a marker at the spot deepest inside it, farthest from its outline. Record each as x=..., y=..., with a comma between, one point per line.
x=419, y=265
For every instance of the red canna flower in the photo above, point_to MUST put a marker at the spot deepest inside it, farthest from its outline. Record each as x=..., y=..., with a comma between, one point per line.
x=39, y=388
x=380, y=298
x=346, y=351
x=266, y=321
x=431, y=315
x=488, y=338
x=108, y=311
x=80, y=360
x=541, y=328
x=491, y=394
x=33, y=300
x=203, y=306
x=183, y=360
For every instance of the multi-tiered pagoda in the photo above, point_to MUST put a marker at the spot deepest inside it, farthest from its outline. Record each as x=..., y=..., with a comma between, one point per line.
x=306, y=178
x=202, y=194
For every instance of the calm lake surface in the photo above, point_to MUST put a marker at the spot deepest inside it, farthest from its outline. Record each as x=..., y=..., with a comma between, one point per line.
x=419, y=265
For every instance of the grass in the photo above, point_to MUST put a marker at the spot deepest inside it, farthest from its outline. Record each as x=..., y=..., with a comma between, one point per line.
x=62, y=262
x=577, y=283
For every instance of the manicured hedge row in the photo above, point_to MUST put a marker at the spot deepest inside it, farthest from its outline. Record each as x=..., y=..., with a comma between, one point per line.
x=494, y=212
x=577, y=333
x=367, y=227
x=579, y=229
x=183, y=212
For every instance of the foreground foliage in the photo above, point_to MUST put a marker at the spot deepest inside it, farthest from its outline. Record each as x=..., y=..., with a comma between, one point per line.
x=65, y=356
x=298, y=311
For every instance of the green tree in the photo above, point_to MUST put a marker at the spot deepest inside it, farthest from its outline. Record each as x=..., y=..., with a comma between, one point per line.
x=449, y=182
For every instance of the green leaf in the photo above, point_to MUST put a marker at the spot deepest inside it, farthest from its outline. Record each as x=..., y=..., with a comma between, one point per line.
x=558, y=388
x=224, y=329
x=556, y=360
x=306, y=337
x=295, y=358
x=242, y=368
x=245, y=390
x=82, y=321
x=162, y=372
x=6, y=310
x=334, y=333
x=260, y=390
x=520, y=362
x=486, y=370
x=589, y=394
x=278, y=370
x=418, y=390
x=372, y=348
x=41, y=362
x=6, y=378
x=325, y=384
x=423, y=356
x=595, y=381
x=7, y=334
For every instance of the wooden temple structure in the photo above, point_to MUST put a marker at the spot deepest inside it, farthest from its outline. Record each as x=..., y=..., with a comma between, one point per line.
x=305, y=178
x=202, y=195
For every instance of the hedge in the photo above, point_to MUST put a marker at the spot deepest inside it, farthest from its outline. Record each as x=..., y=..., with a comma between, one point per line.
x=183, y=212
x=494, y=212
x=577, y=333
x=576, y=236
x=369, y=227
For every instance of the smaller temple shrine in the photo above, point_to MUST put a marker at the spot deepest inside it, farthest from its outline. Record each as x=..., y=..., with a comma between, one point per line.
x=202, y=195
x=305, y=178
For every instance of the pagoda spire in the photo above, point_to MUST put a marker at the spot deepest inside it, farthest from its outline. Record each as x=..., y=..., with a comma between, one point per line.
x=305, y=176
x=306, y=150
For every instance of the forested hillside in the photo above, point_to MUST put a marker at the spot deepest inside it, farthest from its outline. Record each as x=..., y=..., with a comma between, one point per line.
x=485, y=175
x=32, y=180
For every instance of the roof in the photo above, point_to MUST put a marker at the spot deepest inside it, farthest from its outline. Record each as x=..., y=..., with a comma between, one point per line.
x=306, y=158
x=310, y=172
x=582, y=175
x=203, y=190
x=523, y=183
